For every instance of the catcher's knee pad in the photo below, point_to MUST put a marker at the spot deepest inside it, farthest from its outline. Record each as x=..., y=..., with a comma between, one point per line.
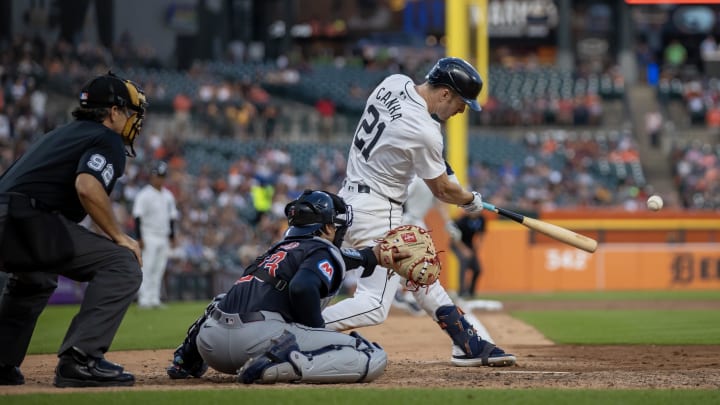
x=451, y=320
x=340, y=364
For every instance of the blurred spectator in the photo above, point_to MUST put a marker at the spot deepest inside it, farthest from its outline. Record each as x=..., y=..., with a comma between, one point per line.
x=653, y=127
x=271, y=114
x=675, y=54
x=325, y=108
x=708, y=47
x=182, y=104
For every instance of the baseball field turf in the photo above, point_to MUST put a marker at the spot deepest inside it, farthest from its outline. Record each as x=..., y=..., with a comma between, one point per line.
x=593, y=322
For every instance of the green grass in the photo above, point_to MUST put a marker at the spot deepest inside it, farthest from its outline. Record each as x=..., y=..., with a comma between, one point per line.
x=140, y=329
x=366, y=395
x=674, y=327
x=165, y=329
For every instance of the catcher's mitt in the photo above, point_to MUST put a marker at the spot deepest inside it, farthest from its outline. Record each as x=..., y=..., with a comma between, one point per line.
x=423, y=265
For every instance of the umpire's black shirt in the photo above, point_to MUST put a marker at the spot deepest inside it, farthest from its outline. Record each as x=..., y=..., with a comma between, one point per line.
x=48, y=169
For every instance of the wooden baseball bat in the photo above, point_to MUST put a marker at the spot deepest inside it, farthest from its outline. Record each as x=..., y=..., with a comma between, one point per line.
x=556, y=232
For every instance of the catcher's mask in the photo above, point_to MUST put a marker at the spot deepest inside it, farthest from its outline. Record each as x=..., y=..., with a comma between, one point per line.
x=313, y=209
x=110, y=90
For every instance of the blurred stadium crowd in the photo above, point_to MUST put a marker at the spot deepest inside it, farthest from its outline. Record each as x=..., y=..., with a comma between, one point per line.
x=244, y=138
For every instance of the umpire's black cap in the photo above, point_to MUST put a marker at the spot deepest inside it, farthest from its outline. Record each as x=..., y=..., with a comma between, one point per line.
x=109, y=90
x=460, y=76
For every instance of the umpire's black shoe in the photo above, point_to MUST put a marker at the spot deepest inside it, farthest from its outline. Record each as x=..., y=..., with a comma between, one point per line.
x=77, y=369
x=11, y=375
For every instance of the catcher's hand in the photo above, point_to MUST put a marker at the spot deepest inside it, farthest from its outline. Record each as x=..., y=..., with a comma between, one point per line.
x=422, y=267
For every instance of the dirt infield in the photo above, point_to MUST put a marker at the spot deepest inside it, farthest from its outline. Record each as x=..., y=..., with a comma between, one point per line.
x=419, y=357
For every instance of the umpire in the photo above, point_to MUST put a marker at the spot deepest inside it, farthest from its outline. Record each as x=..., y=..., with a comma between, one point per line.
x=68, y=174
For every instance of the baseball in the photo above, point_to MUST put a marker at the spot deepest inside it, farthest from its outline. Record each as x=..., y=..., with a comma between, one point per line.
x=654, y=203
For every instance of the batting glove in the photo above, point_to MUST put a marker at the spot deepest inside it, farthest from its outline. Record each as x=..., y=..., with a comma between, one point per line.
x=475, y=205
x=452, y=230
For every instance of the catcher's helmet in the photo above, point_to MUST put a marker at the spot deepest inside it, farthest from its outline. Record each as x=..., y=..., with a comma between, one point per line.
x=313, y=209
x=460, y=76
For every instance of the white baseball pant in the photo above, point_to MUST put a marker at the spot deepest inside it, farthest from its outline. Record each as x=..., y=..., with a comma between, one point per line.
x=155, y=255
x=374, y=215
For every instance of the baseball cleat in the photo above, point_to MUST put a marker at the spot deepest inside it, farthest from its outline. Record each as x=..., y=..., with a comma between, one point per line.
x=77, y=369
x=490, y=355
x=11, y=375
x=178, y=370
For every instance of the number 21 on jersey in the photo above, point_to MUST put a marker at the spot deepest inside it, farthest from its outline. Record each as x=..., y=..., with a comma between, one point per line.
x=370, y=129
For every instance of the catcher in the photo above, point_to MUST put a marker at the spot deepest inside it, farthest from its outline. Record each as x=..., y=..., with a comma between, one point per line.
x=269, y=328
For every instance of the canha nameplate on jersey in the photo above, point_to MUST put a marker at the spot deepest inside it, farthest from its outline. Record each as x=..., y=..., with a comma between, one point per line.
x=390, y=102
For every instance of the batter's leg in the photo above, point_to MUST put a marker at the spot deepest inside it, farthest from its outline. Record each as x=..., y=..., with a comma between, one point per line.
x=369, y=306
x=432, y=298
x=469, y=349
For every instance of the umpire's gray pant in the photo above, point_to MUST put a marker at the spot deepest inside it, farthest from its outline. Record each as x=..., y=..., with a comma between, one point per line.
x=114, y=276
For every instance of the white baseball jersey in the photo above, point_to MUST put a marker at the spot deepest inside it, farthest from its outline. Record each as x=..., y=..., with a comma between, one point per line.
x=155, y=208
x=396, y=140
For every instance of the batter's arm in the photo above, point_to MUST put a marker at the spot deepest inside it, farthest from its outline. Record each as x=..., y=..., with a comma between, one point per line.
x=448, y=191
x=97, y=204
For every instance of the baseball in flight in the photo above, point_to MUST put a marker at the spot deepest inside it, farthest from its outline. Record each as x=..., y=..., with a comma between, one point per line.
x=654, y=203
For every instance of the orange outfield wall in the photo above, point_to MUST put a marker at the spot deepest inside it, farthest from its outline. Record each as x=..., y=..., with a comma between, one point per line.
x=636, y=252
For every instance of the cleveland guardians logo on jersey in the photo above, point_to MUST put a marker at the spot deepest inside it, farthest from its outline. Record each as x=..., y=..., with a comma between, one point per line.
x=326, y=269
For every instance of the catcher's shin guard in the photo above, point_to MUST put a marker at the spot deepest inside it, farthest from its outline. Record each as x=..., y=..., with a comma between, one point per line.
x=187, y=361
x=340, y=364
x=470, y=349
x=333, y=364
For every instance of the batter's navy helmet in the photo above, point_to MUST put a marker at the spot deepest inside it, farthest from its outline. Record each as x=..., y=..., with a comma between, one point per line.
x=313, y=209
x=459, y=76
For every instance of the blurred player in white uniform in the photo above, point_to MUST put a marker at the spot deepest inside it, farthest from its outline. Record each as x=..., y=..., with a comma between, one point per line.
x=155, y=214
x=398, y=138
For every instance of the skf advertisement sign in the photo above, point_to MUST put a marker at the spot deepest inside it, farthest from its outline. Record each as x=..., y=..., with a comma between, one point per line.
x=625, y=267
